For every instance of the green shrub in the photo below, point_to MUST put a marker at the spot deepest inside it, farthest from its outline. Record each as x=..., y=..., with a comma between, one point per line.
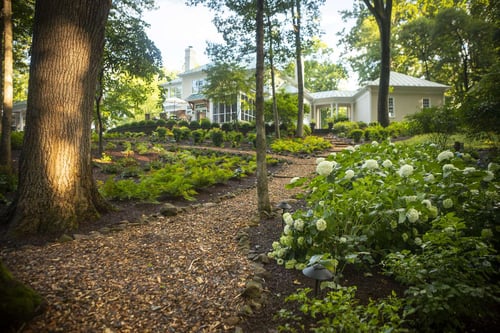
x=170, y=124
x=194, y=124
x=226, y=127
x=110, y=145
x=183, y=123
x=181, y=133
x=344, y=127
x=217, y=137
x=198, y=136
x=356, y=135
x=246, y=127
x=235, y=138
x=205, y=124
x=161, y=132
x=340, y=311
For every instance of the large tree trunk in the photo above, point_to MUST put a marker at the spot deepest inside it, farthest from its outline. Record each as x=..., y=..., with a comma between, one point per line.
x=273, y=81
x=382, y=11
x=56, y=189
x=300, y=71
x=5, y=144
x=262, y=185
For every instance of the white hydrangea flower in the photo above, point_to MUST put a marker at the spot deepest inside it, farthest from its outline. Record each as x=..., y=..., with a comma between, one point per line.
x=489, y=176
x=324, y=168
x=387, y=164
x=448, y=168
x=301, y=240
x=429, y=178
x=349, y=174
x=342, y=240
x=374, y=143
x=370, y=164
x=493, y=167
x=294, y=180
x=433, y=211
x=334, y=154
x=468, y=170
x=321, y=225
x=350, y=148
x=447, y=203
x=405, y=170
x=418, y=241
x=445, y=155
x=427, y=203
x=287, y=230
x=298, y=224
x=287, y=217
x=412, y=214
x=319, y=160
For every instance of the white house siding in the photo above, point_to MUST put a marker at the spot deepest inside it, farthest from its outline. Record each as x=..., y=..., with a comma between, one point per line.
x=363, y=103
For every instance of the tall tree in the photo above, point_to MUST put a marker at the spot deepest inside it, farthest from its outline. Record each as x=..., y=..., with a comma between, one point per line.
x=382, y=11
x=56, y=190
x=5, y=147
x=297, y=27
x=127, y=51
x=262, y=185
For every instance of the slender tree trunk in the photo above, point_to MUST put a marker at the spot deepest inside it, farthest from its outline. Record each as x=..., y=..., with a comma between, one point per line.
x=382, y=11
x=264, y=205
x=56, y=189
x=5, y=145
x=300, y=76
x=273, y=83
x=98, y=100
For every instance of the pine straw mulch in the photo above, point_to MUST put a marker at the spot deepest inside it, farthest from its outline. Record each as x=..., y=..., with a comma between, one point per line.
x=168, y=274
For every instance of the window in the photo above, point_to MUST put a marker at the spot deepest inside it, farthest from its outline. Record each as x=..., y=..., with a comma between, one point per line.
x=391, y=110
x=197, y=86
x=426, y=103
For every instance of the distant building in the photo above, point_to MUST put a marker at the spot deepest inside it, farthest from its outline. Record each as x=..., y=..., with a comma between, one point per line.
x=407, y=96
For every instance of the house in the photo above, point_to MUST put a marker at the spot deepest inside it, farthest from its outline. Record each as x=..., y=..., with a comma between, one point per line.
x=188, y=88
x=407, y=95
x=19, y=116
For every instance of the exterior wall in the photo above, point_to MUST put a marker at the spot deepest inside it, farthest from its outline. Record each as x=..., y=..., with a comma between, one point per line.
x=409, y=100
x=187, y=82
x=362, y=106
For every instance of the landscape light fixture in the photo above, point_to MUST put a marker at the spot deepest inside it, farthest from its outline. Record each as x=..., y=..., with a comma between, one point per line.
x=319, y=273
x=285, y=207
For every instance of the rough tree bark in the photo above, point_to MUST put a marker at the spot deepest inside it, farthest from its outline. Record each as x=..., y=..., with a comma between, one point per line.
x=262, y=184
x=382, y=11
x=8, y=89
x=56, y=189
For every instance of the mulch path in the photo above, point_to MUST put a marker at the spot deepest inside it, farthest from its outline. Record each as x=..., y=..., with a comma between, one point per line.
x=169, y=274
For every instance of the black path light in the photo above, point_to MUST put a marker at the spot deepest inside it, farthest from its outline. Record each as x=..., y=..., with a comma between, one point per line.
x=319, y=273
x=285, y=207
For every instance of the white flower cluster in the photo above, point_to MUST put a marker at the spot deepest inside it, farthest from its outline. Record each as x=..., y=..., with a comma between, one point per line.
x=387, y=164
x=321, y=225
x=412, y=215
x=447, y=203
x=405, y=171
x=349, y=174
x=370, y=165
x=445, y=155
x=324, y=168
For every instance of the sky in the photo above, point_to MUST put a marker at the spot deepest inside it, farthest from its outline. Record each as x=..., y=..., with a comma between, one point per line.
x=176, y=26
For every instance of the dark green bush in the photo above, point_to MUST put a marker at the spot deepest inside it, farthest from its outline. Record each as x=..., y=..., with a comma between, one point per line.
x=193, y=125
x=183, y=123
x=198, y=135
x=226, y=127
x=170, y=123
x=205, y=124
x=217, y=136
x=356, y=134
